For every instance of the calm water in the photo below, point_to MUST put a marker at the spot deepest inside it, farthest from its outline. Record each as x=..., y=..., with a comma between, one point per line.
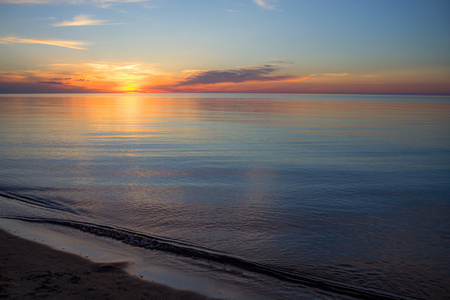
x=343, y=194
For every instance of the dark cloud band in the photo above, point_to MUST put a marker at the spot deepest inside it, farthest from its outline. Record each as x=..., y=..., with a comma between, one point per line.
x=238, y=75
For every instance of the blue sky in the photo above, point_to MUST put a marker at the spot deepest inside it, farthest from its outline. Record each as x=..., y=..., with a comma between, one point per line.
x=383, y=46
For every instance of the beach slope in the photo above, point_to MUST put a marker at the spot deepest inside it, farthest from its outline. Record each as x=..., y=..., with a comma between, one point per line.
x=29, y=270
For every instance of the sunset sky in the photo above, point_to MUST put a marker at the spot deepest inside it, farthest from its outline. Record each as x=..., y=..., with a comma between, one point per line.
x=279, y=46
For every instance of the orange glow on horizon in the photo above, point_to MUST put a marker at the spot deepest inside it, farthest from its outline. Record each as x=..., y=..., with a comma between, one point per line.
x=140, y=78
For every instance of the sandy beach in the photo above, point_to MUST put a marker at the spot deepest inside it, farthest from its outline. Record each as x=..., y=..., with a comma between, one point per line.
x=29, y=270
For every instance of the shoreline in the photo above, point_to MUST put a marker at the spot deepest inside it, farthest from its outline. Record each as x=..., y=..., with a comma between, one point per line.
x=29, y=270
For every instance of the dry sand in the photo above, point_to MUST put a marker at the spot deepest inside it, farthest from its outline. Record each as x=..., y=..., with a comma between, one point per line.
x=29, y=270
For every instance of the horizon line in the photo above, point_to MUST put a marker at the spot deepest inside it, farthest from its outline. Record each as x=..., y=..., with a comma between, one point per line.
x=218, y=92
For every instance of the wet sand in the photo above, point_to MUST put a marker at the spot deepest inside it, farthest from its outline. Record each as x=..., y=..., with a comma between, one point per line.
x=29, y=270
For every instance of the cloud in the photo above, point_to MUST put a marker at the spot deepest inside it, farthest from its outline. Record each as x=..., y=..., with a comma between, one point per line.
x=93, y=76
x=244, y=74
x=281, y=61
x=133, y=69
x=267, y=4
x=59, y=43
x=101, y=3
x=335, y=74
x=51, y=82
x=25, y=88
x=83, y=20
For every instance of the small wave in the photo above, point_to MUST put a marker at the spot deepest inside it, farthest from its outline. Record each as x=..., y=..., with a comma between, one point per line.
x=36, y=201
x=187, y=250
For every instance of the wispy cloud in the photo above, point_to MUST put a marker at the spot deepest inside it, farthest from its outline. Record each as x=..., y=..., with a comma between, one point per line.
x=101, y=3
x=51, y=82
x=84, y=20
x=281, y=61
x=267, y=4
x=59, y=43
x=93, y=76
x=238, y=75
x=335, y=74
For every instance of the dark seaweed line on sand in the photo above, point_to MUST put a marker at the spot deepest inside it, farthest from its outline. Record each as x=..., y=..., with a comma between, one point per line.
x=183, y=249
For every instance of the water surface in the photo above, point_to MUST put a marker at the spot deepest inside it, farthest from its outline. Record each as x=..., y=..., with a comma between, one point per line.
x=343, y=193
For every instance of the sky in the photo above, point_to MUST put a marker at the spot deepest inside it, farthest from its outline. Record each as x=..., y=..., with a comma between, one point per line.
x=265, y=46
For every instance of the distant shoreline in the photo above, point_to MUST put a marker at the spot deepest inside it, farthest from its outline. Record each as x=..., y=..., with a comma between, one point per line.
x=29, y=270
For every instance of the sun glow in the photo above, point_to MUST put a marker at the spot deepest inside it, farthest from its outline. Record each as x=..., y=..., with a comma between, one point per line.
x=97, y=76
x=107, y=77
x=130, y=89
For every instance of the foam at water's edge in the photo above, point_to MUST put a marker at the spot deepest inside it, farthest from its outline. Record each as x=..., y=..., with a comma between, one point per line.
x=137, y=239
